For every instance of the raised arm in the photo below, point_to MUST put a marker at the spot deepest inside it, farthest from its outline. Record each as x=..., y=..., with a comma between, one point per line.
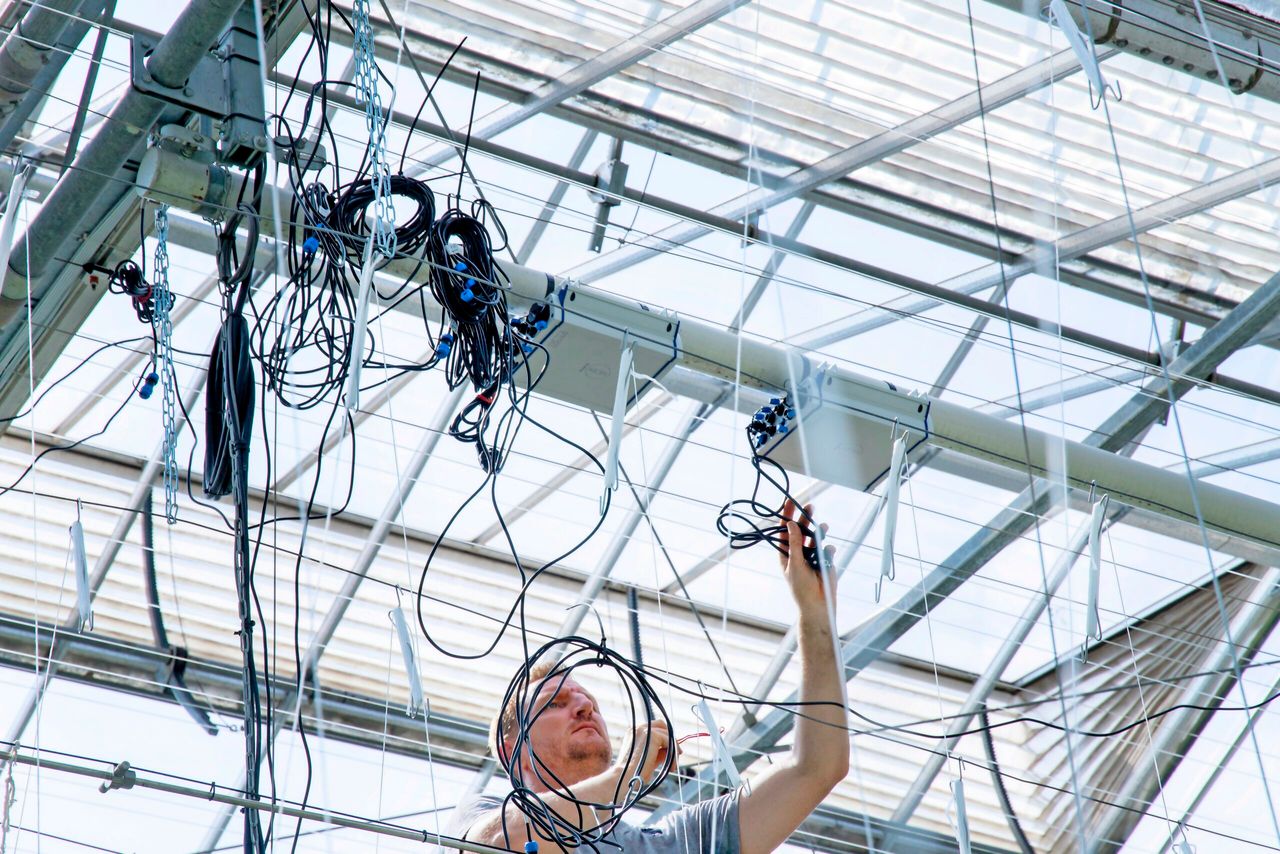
x=783, y=796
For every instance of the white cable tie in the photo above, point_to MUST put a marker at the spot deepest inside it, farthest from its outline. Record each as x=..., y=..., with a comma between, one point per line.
x=416, y=704
x=1093, y=624
x=1083, y=50
x=962, y=817
x=355, y=357
x=1183, y=848
x=625, y=363
x=723, y=758
x=17, y=191
x=84, y=612
x=891, y=511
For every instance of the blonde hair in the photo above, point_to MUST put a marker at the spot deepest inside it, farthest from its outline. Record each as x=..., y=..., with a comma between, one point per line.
x=504, y=723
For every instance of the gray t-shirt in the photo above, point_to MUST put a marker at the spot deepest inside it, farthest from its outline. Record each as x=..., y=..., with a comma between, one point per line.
x=689, y=830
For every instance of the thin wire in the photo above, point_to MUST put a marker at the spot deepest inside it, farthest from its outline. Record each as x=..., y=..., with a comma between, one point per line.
x=1017, y=382
x=1192, y=484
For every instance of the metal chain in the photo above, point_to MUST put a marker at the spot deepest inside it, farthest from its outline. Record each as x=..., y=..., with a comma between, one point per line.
x=366, y=80
x=163, y=298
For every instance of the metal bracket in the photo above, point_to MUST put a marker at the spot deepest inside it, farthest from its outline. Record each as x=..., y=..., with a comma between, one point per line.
x=611, y=179
x=122, y=777
x=203, y=92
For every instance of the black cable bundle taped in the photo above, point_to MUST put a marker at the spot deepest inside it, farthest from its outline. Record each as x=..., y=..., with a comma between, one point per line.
x=230, y=386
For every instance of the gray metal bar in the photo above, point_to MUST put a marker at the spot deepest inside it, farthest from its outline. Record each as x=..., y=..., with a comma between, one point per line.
x=1178, y=732
x=823, y=256
x=983, y=686
x=1075, y=245
x=840, y=164
x=130, y=363
x=26, y=51
x=585, y=75
x=86, y=94
x=370, y=406
x=553, y=201
x=770, y=268
x=59, y=647
x=594, y=583
x=566, y=474
x=1221, y=765
x=237, y=802
x=1172, y=36
x=870, y=641
x=58, y=222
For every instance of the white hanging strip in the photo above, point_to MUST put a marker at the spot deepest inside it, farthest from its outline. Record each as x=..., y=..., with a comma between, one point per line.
x=1183, y=847
x=625, y=363
x=84, y=612
x=355, y=358
x=1059, y=15
x=1093, y=625
x=723, y=758
x=962, y=817
x=891, y=511
x=416, y=705
x=17, y=191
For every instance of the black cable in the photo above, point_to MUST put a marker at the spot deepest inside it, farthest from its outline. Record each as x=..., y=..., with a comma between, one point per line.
x=518, y=757
x=997, y=780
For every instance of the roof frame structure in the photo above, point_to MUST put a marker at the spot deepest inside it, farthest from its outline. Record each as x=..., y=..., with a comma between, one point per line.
x=806, y=182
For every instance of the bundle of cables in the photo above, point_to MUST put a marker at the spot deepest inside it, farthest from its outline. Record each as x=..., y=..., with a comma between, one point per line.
x=304, y=333
x=349, y=206
x=530, y=775
x=464, y=280
x=128, y=279
x=744, y=522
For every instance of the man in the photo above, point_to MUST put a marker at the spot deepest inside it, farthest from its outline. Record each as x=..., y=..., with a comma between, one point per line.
x=575, y=756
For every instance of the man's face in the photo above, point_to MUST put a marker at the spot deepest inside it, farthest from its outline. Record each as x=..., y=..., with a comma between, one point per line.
x=568, y=734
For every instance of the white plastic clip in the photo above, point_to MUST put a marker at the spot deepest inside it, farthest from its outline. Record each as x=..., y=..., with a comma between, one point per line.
x=891, y=511
x=962, y=817
x=84, y=607
x=1093, y=625
x=17, y=191
x=625, y=364
x=355, y=358
x=416, y=705
x=1059, y=15
x=723, y=760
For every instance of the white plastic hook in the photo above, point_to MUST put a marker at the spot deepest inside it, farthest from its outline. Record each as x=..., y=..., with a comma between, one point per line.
x=84, y=612
x=17, y=191
x=416, y=704
x=625, y=363
x=355, y=358
x=891, y=511
x=1093, y=624
x=961, y=816
x=1081, y=46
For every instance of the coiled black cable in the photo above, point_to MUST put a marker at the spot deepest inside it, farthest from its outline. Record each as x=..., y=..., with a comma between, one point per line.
x=1002, y=793
x=517, y=756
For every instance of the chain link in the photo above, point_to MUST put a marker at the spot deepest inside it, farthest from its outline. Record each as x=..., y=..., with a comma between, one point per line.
x=366, y=79
x=163, y=298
